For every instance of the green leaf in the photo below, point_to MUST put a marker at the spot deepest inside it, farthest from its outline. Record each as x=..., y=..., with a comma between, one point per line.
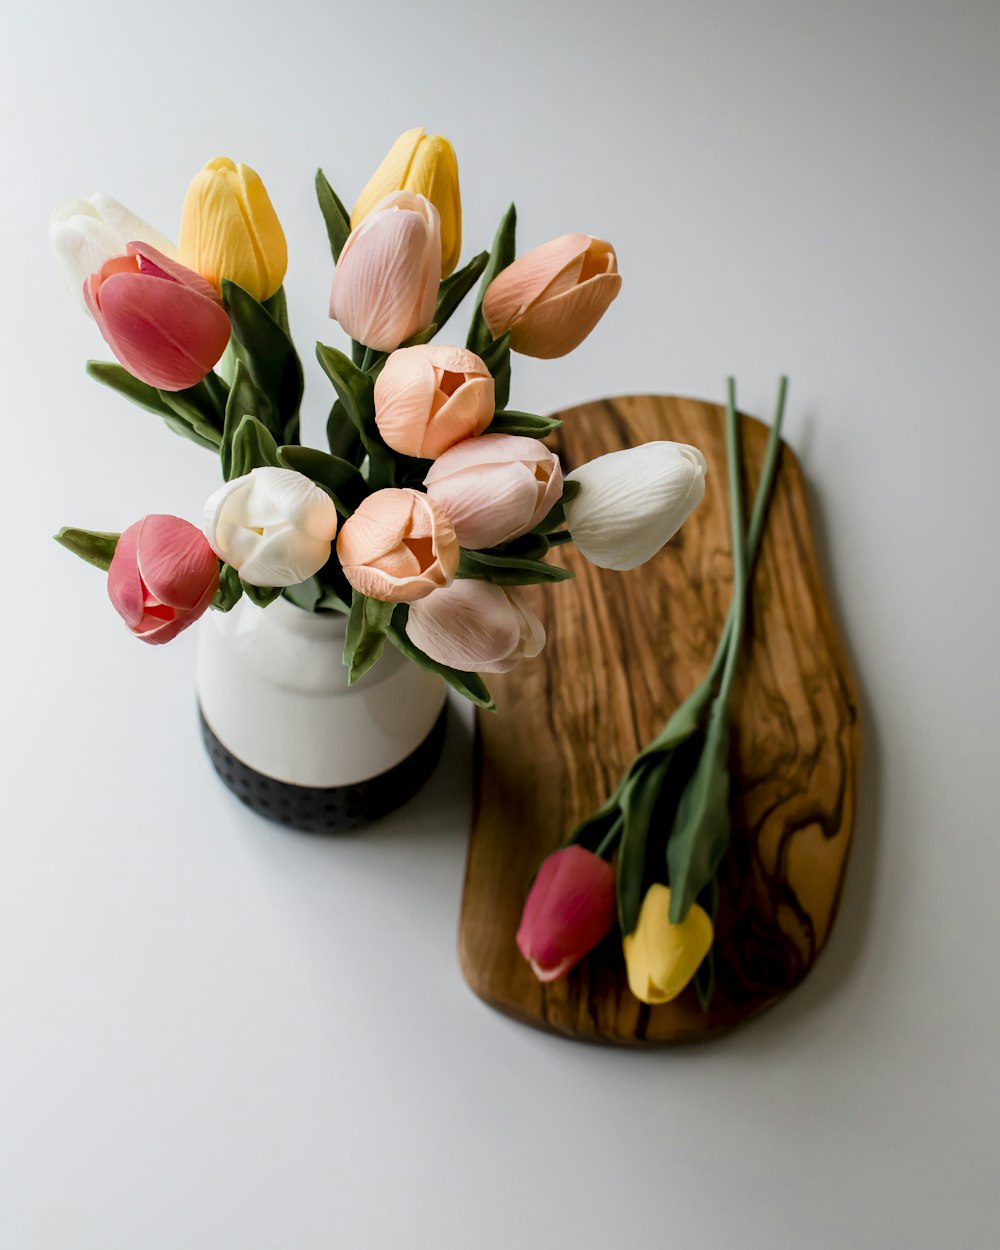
x=230, y=590
x=501, y=255
x=342, y=435
x=638, y=804
x=496, y=358
x=119, y=379
x=253, y=448
x=356, y=392
x=277, y=308
x=525, y=424
x=700, y=831
x=262, y=596
x=704, y=980
x=342, y=481
x=505, y=570
x=454, y=289
x=245, y=400
x=471, y=685
x=97, y=547
x=366, y=632
x=336, y=216
x=271, y=358
x=556, y=515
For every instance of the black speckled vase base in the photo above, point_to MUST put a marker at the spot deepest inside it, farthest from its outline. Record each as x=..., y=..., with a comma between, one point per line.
x=327, y=809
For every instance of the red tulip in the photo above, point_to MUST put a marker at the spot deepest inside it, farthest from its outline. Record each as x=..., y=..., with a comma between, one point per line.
x=569, y=909
x=162, y=577
x=164, y=322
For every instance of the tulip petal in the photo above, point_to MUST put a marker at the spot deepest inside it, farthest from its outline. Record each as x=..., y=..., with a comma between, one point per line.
x=569, y=909
x=125, y=588
x=433, y=173
x=489, y=504
x=298, y=501
x=554, y=327
x=660, y=957
x=390, y=175
x=264, y=232
x=515, y=288
x=175, y=562
x=468, y=412
x=128, y=226
x=275, y=561
x=468, y=625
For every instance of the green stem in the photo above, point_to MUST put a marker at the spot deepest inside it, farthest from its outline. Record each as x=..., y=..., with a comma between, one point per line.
x=611, y=837
x=218, y=394
x=738, y=608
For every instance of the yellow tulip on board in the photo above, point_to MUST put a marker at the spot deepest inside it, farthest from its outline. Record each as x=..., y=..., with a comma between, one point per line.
x=661, y=957
x=424, y=165
x=229, y=229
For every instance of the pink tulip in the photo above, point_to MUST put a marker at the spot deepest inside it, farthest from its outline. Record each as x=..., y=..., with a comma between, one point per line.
x=476, y=627
x=495, y=487
x=428, y=398
x=569, y=909
x=551, y=298
x=165, y=324
x=386, y=283
x=398, y=546
x=162, y=577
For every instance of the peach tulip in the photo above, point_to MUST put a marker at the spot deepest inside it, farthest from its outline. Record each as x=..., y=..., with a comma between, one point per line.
x=162, y=577
x=385, y=286
x=398, y=546
x=476, y=627
x=495, y=487
x=165, y=323
x=551, y=298
x=569, y=909
x=429, y=397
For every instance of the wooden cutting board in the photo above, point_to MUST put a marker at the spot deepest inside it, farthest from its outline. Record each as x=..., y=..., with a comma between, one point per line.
x=623, y=650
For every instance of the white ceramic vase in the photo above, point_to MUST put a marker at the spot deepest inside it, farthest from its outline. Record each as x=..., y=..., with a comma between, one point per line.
x=292, y=739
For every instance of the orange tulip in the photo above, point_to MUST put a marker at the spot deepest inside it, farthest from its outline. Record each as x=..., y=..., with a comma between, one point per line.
x=429, y=397
x=398, y=546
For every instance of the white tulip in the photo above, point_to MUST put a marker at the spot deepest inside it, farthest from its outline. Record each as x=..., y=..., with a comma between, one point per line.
x=632, y=502
x=86, y=233
x=273, y=525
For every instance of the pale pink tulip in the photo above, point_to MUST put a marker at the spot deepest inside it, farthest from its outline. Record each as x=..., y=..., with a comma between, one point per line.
x=164, y=322
x=551, y=298
x=476, y=627
x=162, y=577
x=429, y=397
x=386, y=283
x=495, y=487
x=398, y=546
x=569, y=909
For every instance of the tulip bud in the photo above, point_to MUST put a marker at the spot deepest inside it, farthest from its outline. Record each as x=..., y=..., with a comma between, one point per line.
x=424, y=165
x=551, y=298
x=229, y=229
x=495, y=487
x=429, y=397
x=661, y=958
x=632, y=502
x=476, y=627
x=569, y=909
x=398, y=547
x=86, y=233
x=274, y=526
x=162, y=577
x=386, y=282
x=165, y=324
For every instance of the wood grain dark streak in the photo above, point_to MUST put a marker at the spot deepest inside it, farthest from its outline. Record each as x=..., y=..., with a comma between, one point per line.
x=623, y=651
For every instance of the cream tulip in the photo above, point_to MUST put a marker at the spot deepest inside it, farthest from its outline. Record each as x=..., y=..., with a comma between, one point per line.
x=632, y=502
x=496, y=487
x=86, y=233
x=476, y=627
x=552, y=297
x=429, y=397
x=398, y=546
x=273, y=525
x=385, y=286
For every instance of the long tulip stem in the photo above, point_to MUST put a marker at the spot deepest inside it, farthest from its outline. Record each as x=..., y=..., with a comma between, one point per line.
x=738, y=608
x=611, y=837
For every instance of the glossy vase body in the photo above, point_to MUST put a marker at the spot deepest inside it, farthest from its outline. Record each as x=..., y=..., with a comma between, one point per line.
x=292, y=739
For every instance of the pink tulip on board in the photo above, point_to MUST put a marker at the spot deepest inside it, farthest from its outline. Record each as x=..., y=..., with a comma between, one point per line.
x=429, y=397
x=551, y=298
x=496, y=487
x=398, y=546
x=476, y=627
x=165, y=324
x=162, y=577
x=569, y=909
x=385, y=286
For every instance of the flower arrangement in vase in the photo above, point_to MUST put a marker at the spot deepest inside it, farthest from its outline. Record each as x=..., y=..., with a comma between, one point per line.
x=434, y=503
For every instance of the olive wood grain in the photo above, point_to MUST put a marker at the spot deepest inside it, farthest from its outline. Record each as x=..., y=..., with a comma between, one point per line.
x=623, y=650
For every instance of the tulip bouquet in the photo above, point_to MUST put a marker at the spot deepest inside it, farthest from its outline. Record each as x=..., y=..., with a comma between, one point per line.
x=434, y=501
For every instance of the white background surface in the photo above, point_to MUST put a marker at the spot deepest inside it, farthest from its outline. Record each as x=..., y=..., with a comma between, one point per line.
x=218, y=1036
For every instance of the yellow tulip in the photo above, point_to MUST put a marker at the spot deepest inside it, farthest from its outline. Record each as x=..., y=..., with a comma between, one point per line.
x=661, y=957
x=229, y=229
x=424, y=165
